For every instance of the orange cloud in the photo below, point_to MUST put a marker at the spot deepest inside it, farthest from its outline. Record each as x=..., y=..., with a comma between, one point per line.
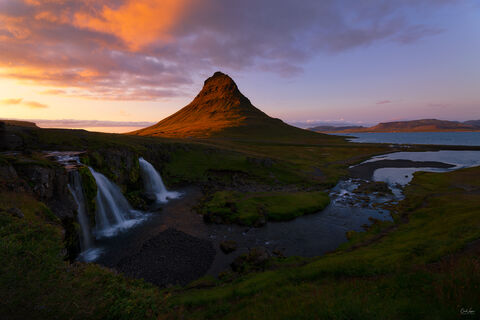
x=35, y=105
x=11, y=101
x=136, y=22
x=19, y=101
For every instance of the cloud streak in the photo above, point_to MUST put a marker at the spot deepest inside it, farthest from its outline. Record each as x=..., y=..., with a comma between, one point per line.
x=73, y=123
x=21, y=102
x=149, y=49
x=384, y=102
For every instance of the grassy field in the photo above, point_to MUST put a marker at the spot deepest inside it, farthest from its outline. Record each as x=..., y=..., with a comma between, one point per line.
x=256, y=208
x=424, y=265
x=313, y=158
x=421, y=266
x=236, y=162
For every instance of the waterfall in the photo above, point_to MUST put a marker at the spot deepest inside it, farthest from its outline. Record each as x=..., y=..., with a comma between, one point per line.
x=113, y=213
x=153, y=183
x=75, y=187
x=88, y=251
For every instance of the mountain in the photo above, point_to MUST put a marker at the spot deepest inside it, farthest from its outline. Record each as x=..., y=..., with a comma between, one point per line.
x=475, y=123
x=221, y=110
x=424, y=125
x=334, y=128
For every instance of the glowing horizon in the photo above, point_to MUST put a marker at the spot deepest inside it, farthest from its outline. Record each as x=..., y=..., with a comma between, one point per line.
x=335, y=61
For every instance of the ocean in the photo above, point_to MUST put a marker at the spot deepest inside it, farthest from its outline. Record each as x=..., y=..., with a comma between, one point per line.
x=440, y=138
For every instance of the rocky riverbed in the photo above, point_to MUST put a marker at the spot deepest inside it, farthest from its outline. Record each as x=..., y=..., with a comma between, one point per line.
x=170, y=257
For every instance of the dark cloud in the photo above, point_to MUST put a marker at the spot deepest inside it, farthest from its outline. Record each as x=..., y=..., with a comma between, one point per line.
x=99, y=50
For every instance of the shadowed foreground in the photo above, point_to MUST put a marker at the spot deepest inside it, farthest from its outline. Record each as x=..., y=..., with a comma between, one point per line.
x=429, y=256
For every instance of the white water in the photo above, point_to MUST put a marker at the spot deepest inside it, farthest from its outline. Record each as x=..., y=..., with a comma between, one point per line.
x=113, y=213
x=153, y=183
x=75, y=187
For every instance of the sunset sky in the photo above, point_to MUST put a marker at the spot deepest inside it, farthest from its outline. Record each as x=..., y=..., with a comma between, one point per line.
x=117, y=65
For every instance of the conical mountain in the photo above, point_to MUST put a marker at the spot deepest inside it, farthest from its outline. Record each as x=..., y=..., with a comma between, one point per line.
x=220, y=109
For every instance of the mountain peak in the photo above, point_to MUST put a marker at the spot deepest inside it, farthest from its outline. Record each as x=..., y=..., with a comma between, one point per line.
x=218, y=107
x=220, y=85
x=220, y=78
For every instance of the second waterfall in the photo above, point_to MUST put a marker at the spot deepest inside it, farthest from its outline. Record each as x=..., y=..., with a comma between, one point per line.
x=153, y=183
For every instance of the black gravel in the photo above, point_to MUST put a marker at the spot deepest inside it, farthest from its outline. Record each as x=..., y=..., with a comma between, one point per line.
x=171, y=257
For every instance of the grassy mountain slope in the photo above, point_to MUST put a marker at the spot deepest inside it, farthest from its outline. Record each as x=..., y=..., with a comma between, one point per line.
x=221, y=110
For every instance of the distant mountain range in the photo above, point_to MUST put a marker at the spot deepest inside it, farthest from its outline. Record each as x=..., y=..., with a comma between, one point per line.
x=424, y=125
x=18, y=123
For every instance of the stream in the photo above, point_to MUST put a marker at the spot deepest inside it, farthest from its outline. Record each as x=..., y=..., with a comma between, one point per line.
x=310, y=235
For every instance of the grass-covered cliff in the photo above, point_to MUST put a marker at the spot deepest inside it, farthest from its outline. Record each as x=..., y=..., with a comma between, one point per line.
x=239, y=164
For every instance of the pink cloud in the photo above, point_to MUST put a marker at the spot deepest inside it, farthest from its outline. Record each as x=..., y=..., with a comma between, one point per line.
x=384, y=102
x=149, y=49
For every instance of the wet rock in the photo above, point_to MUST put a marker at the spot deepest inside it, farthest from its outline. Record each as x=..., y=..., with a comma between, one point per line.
x=50, y=185
x=261, y=221
x=256, y=259
x=16, y=212
x=150, y=197
x=7, y=172
x=259, y=255
x=368, y=187
x=228, y=246
x=279, y=253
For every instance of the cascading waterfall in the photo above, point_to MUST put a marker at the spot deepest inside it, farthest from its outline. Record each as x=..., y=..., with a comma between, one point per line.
x=153, y=183
x=113, y=212
x=75, y=187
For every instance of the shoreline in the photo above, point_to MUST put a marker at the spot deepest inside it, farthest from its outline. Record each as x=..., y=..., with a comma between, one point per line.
x=366, y=170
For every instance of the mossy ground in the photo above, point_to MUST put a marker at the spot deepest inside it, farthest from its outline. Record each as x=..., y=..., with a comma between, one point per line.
x=417, y=267
x=37, y=283
x=250, y=208
x=240, y=163
x=316, y=159
x=420, y=268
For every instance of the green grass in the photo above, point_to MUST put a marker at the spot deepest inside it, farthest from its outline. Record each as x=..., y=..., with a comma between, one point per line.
x=314, y=159
x=36, y=282
x=416, y=267
x=250, y=208
x=402, y=275
x=417, y=270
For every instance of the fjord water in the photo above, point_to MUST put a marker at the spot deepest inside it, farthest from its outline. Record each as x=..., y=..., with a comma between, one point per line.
x=113, y=213
x=439, y=138
x=402, y=176
x=153, y=183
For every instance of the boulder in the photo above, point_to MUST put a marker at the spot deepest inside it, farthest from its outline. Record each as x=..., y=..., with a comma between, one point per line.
x=256, y=259
x=16, y=212
x=228, y=246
